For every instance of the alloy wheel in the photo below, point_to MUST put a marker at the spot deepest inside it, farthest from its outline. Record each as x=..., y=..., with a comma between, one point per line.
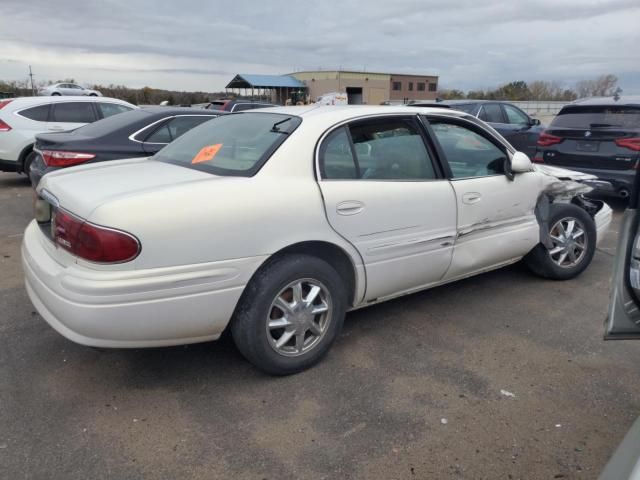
x=569, y=241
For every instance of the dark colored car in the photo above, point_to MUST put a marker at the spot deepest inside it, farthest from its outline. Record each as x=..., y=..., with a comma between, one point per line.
x=138, y=133
x=600, y=136
x=512, y=123
x=237, y=105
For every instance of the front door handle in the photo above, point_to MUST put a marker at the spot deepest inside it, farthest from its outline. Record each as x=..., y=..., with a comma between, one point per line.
x=349, y=207
x=471, y=198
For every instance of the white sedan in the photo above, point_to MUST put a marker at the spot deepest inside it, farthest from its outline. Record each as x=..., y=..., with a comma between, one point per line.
x=274, y=223
x=68, y=89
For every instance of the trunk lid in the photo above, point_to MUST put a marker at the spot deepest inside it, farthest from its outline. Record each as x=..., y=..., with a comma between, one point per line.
x=81, y=190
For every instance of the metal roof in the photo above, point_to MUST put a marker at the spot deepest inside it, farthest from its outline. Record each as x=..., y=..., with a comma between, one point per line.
x=243, y=80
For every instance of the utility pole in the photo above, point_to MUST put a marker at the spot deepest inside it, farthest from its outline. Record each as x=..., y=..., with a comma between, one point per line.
x=33, y=90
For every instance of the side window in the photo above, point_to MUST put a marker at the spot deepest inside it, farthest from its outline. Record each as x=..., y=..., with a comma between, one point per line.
x=336, y=160
x=515, y=116
x=491, y=112
x=181, y=125
x=73, y=112
x=39, y=113
x=468, y=153
x=160, y=135
x=109, y=109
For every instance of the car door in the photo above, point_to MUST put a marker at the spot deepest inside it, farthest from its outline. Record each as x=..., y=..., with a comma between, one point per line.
x=623, y=316
x=385, y=194
x=523, y=132
x=70, y=115
x=168, y=130
x=496, y=219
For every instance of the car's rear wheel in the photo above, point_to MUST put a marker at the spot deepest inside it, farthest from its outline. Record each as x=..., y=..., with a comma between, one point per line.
x=28, y=160
x=290, y=314
x=93, y=94
x=55, y=94
x=572, y=244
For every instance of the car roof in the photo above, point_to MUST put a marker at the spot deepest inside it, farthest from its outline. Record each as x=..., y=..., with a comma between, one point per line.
x=40, y=100
x=627, y=100
x=159, y=109
x=336, y=113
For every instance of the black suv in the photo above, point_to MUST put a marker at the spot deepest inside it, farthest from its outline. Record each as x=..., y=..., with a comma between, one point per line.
x=600, y=136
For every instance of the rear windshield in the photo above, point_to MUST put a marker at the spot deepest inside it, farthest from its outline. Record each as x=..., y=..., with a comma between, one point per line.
x=234, y=145
x=112, y=124
x=465, y=107
x=600, y=116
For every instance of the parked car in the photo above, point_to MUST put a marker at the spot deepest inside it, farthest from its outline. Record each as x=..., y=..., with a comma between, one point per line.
x=512, y=123
x=237, y=105
x=68, y=89
x=333, y=98
x=600, y=136
x=138, y=133
x=275, y=223
x=623, y=322
x=21, y=119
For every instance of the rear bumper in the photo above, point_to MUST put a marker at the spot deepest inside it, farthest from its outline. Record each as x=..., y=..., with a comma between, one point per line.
x=38, y=169
x=132, y=308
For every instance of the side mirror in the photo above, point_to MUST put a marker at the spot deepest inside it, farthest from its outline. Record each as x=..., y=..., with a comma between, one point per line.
x=534, y=122
x=520, y=163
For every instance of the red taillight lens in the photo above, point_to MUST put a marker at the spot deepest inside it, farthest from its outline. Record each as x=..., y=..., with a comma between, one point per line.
x=92, y=242
x=538, y=158
x=630, y=143
x=4, y=103
x=546, y=139
x=54, y=158
x=4, y=127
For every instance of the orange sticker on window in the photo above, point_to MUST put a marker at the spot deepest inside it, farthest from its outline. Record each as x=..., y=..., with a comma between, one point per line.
x=207, y=153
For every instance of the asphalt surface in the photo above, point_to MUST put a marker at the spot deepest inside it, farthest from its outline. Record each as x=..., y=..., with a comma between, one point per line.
x=504, y=375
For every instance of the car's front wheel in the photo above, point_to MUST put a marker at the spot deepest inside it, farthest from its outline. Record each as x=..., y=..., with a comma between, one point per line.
x=290, y=314
x=55, y=94
x=572, y=244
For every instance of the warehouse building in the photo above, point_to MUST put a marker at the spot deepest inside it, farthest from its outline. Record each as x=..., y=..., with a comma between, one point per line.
x=369, y=87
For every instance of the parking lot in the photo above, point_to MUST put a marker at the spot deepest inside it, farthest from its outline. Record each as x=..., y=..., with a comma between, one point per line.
x=504, y=375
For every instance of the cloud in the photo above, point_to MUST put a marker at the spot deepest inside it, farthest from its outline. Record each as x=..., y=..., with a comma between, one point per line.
x=201, y=44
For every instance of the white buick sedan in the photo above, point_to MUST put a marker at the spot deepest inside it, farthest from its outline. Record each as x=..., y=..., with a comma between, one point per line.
x=274, y=223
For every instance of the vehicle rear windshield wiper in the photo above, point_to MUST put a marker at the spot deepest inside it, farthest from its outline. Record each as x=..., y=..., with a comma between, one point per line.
x=275, y=128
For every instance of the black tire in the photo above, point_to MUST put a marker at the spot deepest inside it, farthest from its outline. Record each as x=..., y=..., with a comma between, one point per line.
x=28, y=160
x=539, y=260
x=93, y=94
x=55, y=94
x=249, y=323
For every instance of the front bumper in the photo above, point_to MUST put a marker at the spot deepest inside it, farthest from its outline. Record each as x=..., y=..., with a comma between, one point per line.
x=603, y=220
x=132, y=308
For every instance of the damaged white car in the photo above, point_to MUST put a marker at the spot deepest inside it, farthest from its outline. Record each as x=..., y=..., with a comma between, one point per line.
x=274, y=223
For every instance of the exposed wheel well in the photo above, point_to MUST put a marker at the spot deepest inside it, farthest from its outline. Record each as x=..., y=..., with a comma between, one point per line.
x=330, y=253
x=23, y=156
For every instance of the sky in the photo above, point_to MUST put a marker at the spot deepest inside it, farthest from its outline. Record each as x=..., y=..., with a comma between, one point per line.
x=201, y=44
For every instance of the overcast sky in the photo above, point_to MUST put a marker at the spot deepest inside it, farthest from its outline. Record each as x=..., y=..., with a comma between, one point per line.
x=201, y=44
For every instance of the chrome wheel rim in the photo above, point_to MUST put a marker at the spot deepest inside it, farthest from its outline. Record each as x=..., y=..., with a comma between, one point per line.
x=569, y=242
x=299, y=317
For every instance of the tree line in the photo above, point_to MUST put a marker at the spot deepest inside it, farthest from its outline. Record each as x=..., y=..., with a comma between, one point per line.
x=602, y=86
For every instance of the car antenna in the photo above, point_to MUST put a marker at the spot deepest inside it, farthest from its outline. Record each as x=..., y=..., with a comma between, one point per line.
x=276, y=129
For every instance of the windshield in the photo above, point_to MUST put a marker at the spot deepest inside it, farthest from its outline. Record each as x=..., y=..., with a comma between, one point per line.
x=236, y=145
x=590, y=117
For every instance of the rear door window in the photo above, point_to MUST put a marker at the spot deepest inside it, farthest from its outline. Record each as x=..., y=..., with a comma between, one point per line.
x=597, y=116
x=39, y=113
x=109, y=109
x=381, y=149
x=73, y=112
x=176, y=127
x=491, y=112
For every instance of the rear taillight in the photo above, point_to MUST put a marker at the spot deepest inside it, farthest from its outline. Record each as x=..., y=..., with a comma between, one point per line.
x=630, y=143
x=4, y=127
x=55, y=158
x=546, y=139
x=4, y=103
x=93, y=242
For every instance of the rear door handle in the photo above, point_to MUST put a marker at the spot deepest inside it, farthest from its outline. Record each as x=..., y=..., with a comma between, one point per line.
x=471, y=197
x=349, y=207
